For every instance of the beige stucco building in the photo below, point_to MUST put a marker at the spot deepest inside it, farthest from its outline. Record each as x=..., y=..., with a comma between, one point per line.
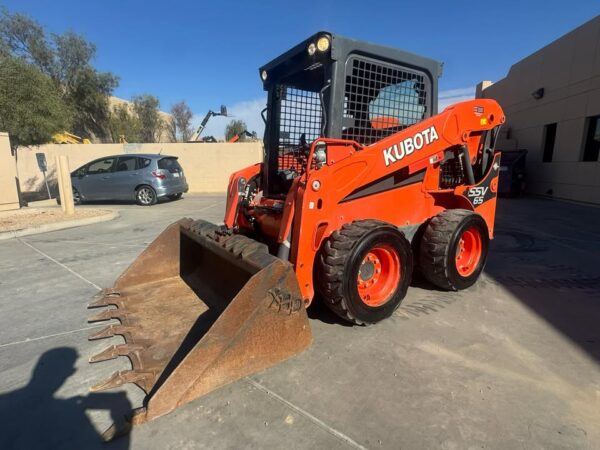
x=552, y=104
x=9, y=198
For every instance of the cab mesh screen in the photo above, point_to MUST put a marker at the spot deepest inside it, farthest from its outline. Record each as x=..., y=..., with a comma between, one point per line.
x=300, y=123
x=381, y=99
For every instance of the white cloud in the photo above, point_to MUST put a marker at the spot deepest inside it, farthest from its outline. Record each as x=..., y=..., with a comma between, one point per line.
x=248, y=111
x=451, y=96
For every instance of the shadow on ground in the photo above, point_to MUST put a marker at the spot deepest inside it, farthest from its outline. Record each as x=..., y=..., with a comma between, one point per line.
x=552, y=269
x=33, y=417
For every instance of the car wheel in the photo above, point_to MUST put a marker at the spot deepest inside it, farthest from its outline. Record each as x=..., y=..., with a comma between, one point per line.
x=77, y=197
x=175, y=196
x=145, y=196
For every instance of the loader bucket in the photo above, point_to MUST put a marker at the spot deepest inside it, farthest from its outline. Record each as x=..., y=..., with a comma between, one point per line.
x=199, y=309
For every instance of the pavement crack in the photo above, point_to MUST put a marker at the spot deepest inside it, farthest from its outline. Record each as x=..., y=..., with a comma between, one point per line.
x=81, y=277
x=48, y=336
x=338, y=434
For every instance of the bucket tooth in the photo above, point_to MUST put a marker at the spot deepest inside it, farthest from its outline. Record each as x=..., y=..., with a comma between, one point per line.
x=107, y=314
x=99, y=302
x=105, y=297
x=115, y=351
x=144, y=380
x=105, y=301
x=110, y=331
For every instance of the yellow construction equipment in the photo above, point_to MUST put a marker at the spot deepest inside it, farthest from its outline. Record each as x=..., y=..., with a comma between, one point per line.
x=69, y=138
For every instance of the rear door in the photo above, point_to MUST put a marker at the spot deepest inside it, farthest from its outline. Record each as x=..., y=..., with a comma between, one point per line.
x=95, y=185
x=124, y=178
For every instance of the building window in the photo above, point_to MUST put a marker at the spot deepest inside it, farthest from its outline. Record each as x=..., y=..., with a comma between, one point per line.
x=549, y=139
x=592, y=139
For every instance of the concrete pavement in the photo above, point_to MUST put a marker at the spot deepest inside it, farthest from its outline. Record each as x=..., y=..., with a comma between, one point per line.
x=511, y=363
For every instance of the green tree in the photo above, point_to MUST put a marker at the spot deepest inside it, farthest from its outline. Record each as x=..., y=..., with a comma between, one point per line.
x=146, y=108
x=124, y=123
x=181, y=122
x=171, y=128
x=31, y=106
x=21, y=37
x=235, y=127
x=67, y=60
x=86, y=90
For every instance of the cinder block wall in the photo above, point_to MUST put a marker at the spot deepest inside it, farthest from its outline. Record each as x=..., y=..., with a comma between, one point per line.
x=207, y=166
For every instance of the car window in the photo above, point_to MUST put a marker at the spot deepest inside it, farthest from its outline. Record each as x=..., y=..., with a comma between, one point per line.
x=126, y=163
x=143, y=162
x=101, y=166
x=80, y=172
x=169, y=164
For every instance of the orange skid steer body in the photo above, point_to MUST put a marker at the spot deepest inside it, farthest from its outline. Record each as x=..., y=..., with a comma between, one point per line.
x=361, y=182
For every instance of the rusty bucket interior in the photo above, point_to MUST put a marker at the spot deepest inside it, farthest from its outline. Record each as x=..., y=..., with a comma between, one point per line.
x=198, y=309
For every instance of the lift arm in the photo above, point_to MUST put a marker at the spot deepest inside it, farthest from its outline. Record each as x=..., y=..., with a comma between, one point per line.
x=209, y=114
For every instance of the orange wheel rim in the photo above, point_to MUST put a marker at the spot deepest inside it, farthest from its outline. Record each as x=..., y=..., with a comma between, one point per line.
x=468, y=252
x=378, y=275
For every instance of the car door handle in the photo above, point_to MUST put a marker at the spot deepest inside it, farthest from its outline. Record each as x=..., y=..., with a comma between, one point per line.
x=106, y=178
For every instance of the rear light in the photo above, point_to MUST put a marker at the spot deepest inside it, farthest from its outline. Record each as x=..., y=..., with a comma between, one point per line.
x=160, y=174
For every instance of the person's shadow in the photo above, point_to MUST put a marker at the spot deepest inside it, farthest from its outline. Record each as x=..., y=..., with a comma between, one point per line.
x=34, y=418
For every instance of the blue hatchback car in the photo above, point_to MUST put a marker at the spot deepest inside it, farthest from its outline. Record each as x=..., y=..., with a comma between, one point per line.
x=141, y=177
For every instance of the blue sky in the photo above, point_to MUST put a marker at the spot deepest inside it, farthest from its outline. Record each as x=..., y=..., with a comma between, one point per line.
x=208, y=52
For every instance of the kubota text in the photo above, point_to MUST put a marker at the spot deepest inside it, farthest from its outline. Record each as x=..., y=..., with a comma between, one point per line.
x=398, y=151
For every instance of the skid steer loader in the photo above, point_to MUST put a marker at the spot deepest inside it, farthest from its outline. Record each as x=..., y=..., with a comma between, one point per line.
x=361, y=182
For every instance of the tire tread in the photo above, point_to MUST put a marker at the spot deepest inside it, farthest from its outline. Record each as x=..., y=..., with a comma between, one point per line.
x=435, y=246
x=333, y=257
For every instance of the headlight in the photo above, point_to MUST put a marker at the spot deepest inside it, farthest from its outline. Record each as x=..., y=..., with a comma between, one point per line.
x=323, y=43
x=320, y=155
x=263, y=75
x=311, y=49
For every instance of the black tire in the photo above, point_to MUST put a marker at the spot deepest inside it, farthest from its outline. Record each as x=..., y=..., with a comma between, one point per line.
x=341, y=259
x=77, y=197
x=175, y=196
x=145, y=195
x=440, y=243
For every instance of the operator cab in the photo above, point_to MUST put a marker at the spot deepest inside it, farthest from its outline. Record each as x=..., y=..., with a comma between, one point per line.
x=335, y=87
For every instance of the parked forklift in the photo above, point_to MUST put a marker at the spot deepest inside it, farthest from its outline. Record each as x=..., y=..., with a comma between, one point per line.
x=362, y=181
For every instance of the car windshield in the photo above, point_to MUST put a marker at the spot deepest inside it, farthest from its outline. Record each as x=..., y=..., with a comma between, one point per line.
x=169, y=164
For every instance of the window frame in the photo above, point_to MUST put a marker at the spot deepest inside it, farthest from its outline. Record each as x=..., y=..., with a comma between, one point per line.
x=548, y=154
x=587, y=134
